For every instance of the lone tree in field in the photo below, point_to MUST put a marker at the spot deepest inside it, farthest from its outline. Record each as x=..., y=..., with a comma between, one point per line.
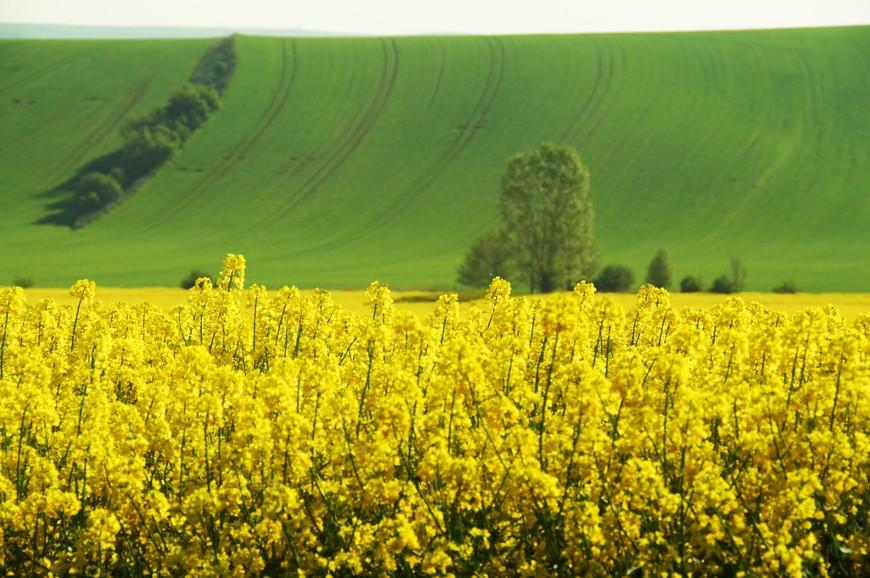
x=659, y=271
x=547, y=217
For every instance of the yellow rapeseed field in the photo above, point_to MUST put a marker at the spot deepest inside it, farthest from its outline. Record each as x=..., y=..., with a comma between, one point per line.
x=422, y=303
x=243, y=432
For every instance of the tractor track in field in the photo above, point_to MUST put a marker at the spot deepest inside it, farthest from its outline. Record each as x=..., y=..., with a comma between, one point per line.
x=276, y=106
x=238, y=151
x=437, y=89
x=604, y=83
x=603, y=75
x=351, y=137
x=609, y=88
x=636, y=122
x=75, y=157
x=47, y=69
x=466, y=135
x=104, y=129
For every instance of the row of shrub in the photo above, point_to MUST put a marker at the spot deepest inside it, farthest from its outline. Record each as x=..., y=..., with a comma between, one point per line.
x=153, y=138
x=620, y=279
x=490, y=256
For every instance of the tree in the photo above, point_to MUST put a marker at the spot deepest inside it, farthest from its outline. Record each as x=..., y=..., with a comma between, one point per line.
x=723, y=284
x=547, y=217
x=487, y=258
x=691, y=284
x=614, y=279
x=659, y=271
x=738, y=274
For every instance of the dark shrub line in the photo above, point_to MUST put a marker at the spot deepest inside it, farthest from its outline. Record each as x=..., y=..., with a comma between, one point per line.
x=150, y=141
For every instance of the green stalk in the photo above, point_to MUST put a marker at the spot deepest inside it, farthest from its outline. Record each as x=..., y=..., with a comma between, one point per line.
x=75, y=324
x=544, y=405
x=19, y=471
x=254, y=345
x=205, y=440
x=366, y=386
x=3, y=344
x=836, y=392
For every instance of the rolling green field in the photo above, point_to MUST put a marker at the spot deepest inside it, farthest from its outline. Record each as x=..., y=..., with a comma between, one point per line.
x=337, y=161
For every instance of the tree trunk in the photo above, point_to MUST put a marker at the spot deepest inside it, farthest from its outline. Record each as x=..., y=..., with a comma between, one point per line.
x=547, y=282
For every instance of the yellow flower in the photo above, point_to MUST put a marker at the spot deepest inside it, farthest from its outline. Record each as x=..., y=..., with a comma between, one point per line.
x=232, y=273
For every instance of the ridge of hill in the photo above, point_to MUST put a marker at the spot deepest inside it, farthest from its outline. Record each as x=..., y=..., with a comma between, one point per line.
x=337, y=161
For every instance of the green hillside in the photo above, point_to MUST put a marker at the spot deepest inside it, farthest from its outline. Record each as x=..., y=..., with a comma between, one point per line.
x=337, y=161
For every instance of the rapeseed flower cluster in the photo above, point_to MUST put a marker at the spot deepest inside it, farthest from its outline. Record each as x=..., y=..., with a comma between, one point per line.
x=250, y=433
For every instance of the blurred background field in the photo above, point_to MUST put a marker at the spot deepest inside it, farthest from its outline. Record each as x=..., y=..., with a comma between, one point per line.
x=335, y=161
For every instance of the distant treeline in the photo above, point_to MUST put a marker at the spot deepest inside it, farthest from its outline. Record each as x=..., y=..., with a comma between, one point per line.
x=153, y=138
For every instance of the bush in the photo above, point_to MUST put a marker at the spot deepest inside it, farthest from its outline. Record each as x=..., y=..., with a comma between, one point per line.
x=98, y=190
x=691, y=284
x=723, y=284
x=190, y=107
x=189, y=281
x=23, y=282
x=217, y=65
x=786, y=287
x=147, y=147
x=614, y=279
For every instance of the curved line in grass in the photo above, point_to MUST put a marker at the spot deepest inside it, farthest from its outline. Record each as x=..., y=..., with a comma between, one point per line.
x=468, y=131
x=439, y=78
x=276, y=107
x=132, y=98
x=239, y=149
x=75, y=156
x=606, y=99
x=349, y=139
x=604, y=74
x=48, y=69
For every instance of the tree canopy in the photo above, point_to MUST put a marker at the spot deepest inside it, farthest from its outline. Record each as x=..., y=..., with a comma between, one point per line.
x=547, y=217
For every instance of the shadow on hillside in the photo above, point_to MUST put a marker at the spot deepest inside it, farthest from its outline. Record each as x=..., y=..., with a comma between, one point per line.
x=61, y=207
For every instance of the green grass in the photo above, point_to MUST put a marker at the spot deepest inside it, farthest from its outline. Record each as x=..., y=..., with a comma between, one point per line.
x=337, y=161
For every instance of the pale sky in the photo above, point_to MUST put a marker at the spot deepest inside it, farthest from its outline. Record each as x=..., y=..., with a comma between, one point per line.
x=397, y=17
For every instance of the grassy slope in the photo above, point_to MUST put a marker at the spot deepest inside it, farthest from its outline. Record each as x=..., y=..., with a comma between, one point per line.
x=337, y=161
x=62, y=104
